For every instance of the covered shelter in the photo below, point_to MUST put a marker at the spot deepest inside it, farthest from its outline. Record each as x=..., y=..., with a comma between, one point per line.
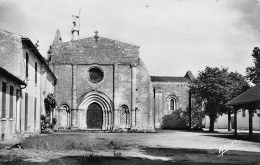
x=250, y=100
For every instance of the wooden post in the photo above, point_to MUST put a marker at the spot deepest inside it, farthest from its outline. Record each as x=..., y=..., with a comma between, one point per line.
x=229, y=120
x=250, y=111
x=235, y=119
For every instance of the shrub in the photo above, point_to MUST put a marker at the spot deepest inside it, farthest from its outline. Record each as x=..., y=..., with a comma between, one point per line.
x=115, y=146
x=93, y=157
x=46, y=125
x=176, y=120
x=141, y=131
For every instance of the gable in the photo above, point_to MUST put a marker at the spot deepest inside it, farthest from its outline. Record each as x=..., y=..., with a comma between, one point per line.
x=89, y=51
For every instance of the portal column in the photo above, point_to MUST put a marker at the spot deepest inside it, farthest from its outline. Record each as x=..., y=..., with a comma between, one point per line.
x=109, y=119
x=116, y=115
x=74, y=115
x=133, y=95
x=104, y=120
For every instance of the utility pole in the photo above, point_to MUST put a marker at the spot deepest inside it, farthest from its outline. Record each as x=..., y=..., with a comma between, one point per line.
x=189, y=110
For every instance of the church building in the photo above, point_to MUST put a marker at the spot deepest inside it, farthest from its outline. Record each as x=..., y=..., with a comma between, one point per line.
x=102, y=84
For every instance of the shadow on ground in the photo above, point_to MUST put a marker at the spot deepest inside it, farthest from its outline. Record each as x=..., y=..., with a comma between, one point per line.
x=242, y=136
x=68, y=160
x=174, y=156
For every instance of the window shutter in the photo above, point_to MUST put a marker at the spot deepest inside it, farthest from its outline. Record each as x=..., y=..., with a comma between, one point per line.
x=3, y=99
x=11, y=102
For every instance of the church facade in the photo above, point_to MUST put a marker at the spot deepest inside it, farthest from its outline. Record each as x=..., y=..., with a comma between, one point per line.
x=104, y=85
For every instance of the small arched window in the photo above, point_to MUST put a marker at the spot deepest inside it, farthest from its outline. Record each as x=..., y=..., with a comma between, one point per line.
x=124, y=116
x=172, y=103
x=65, y=107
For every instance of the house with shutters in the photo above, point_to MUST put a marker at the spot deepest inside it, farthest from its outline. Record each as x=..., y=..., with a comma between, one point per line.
x=25, y=80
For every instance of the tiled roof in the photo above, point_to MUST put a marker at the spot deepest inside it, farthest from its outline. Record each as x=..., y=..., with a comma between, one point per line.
x=169, y=79
x=11, y=76
x=252, y=95
x=37, y=54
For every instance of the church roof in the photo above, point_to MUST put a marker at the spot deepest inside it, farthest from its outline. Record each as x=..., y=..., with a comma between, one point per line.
x=100, y=39
x=90, y=50
x=252, y=95
x=169, y=79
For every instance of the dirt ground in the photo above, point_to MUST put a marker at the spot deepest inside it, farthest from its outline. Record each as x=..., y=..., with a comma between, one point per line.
x=163, y=147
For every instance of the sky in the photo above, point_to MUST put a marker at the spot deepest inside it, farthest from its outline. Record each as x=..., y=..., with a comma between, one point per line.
x=174, y=35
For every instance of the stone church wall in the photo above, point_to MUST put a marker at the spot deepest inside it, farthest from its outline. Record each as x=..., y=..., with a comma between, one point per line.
x=84, y=85
x=122, y=94
x=144, y=100
x=63, y=88
x=165, y=89
x=126, y=82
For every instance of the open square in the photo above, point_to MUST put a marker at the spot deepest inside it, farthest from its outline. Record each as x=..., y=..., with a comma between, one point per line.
x=163, y=147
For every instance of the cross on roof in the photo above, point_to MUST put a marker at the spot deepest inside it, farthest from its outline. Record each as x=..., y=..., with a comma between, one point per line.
x=96, y=35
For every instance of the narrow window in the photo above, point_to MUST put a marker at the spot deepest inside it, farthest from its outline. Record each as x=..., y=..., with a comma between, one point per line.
x=35, y=72
x=171, y=103
x=26, y=112
x=11, y=102
x=243, y=113
x=125, y=116
x=3, y=98
x=35, y=107
x=27, y=63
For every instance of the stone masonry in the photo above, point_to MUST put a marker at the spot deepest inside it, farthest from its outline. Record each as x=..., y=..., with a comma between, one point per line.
x=124, y=93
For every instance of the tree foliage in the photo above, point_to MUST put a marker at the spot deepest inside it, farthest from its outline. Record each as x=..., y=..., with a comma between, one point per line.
x=253, y=72
x=50, y=103
x=196, y=113
x=215, y=87
x=47, y=122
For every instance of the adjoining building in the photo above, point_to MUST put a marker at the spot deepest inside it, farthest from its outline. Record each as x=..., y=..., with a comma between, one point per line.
x=103, y=84
x=171, y=93
x=10, y=103
x=25, y=80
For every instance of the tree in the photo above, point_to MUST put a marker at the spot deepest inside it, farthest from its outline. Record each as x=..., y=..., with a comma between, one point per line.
x=196, y=112
x=48, y=121
x=238, y=85
x=215, y=87
x=50, y=104
x=253, y=72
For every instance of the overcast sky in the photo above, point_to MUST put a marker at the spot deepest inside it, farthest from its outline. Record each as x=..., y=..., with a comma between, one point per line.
x=174, y=35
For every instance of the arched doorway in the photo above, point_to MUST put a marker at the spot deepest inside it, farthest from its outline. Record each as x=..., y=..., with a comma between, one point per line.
x=104, y=115
x=94, y=116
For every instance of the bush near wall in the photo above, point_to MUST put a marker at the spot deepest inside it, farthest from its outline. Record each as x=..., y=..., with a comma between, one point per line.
x=176, y=120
